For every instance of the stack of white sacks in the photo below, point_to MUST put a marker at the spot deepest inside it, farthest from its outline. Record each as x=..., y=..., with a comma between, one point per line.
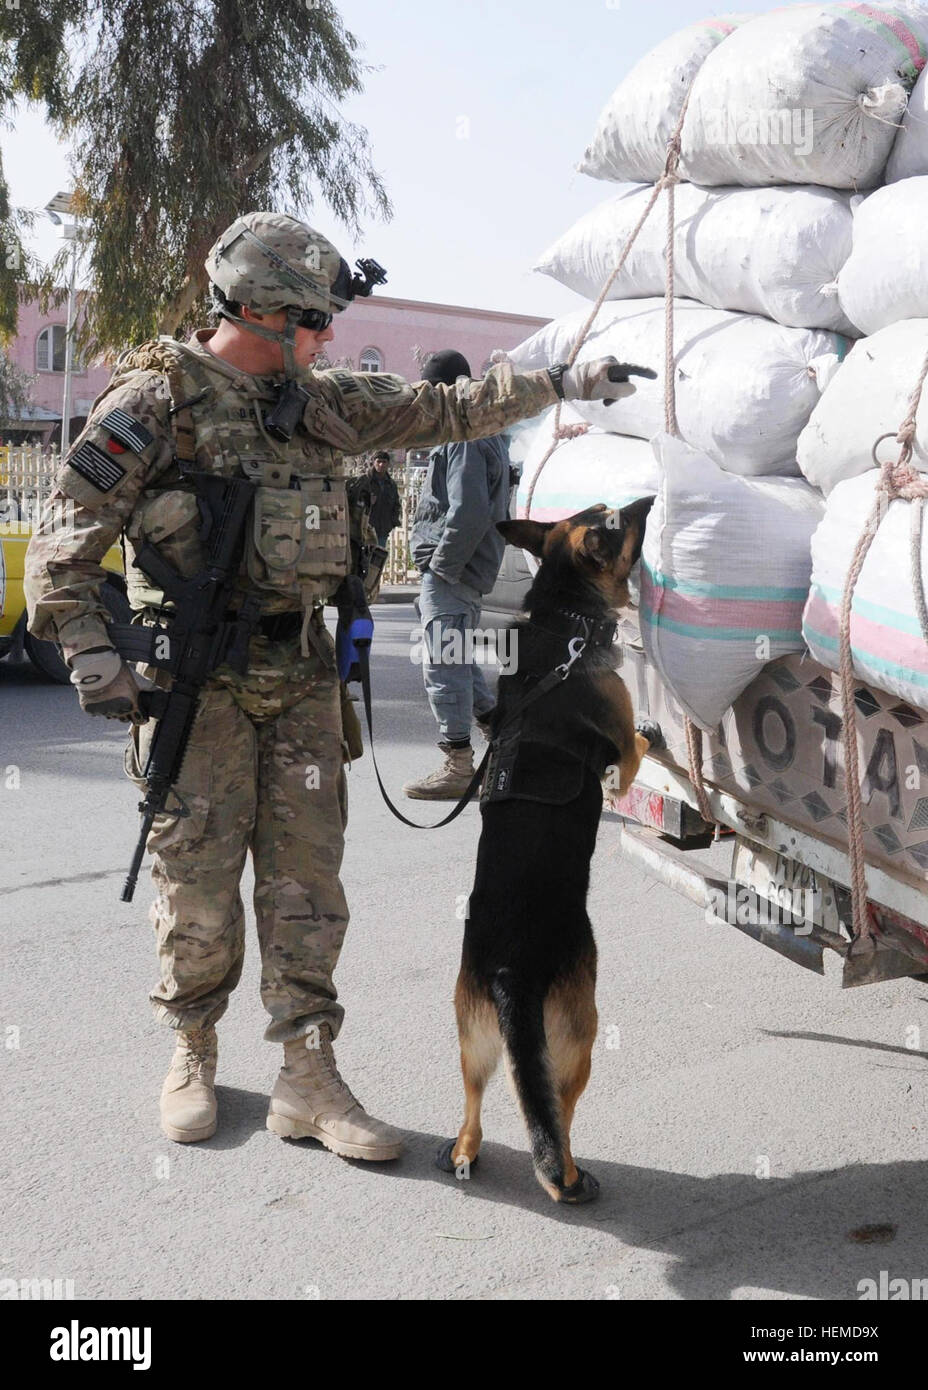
x=784, y=258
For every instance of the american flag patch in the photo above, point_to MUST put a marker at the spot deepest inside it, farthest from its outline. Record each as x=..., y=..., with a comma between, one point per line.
x=128, y=431
x=98, y=468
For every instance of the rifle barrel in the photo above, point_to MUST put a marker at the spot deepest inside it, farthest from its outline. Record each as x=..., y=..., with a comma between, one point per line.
x=132, y=878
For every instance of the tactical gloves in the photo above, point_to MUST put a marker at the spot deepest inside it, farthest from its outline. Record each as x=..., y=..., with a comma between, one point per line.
x=106, y=685
x=604, y=379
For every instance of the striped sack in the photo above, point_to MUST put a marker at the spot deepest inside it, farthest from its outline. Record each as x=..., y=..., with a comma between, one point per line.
x=724, y=576
x=886, y=638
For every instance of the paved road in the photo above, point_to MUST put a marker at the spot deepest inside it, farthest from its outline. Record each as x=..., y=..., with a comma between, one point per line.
x=715, y=1060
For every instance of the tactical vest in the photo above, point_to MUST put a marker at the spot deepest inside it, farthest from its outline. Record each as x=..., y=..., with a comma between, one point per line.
x=528, y=762
x=297, y=549
x=529, y=769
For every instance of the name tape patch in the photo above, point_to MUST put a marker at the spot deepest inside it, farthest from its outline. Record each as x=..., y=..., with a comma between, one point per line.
x=128, y=431
x=345, y=382
x=100, y=469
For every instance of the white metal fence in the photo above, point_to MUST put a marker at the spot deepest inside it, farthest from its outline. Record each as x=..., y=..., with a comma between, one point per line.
x=26, y=475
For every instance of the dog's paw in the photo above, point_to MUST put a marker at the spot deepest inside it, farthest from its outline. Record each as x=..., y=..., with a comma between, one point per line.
x=446, y=1163
x=652, y=732
x=585, y=1189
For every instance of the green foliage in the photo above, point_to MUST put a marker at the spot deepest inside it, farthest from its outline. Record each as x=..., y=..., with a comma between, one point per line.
x=31, y=66
x=191, y=113
x=184, y=114
x=15, y=392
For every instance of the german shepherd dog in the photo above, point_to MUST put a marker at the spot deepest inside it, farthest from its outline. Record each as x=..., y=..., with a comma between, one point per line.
x=528, y=966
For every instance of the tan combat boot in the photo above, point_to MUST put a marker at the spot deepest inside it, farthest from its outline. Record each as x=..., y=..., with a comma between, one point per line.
x=188, y=1097
x=311, y=1101
x=450, y=781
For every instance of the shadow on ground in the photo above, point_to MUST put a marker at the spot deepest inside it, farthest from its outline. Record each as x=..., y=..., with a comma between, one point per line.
x=725, y=1232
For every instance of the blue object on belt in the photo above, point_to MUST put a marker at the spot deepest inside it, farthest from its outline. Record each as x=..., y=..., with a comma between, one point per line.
x=349, y=637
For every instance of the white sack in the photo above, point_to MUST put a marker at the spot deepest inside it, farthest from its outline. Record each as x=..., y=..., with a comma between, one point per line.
x=593, y=467
x=724, y=576
x=772, y=251
x=641, y=115
x=804, y=94
x=867, y=397
x=745, y=387
x=886, y=640
x=909, y=155
x=886, y=276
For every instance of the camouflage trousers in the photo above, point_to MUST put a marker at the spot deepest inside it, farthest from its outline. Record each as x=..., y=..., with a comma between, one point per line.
x=263, y=772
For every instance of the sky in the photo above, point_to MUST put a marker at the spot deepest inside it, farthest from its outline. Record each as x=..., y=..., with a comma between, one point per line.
x=477, y=112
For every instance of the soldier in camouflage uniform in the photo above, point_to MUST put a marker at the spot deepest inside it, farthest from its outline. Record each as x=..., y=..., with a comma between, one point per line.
x=264, y=766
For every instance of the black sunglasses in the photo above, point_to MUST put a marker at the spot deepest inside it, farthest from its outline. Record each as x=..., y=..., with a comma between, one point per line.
x=315, y=320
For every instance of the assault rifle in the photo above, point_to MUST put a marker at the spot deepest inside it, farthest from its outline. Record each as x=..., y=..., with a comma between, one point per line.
x=201, y=637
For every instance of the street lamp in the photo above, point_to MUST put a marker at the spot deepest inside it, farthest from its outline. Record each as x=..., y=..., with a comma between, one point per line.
x=62, y=203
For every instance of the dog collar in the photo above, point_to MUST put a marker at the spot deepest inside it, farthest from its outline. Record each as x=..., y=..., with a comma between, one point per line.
x=595, y=632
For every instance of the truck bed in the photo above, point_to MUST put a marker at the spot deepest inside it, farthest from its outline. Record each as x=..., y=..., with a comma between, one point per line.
x=774, y=770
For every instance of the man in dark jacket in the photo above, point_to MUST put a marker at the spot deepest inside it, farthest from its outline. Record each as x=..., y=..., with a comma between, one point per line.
x=457, y=548
x=385, y=498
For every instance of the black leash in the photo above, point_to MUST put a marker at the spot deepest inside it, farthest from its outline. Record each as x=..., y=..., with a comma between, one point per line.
x=575, y=648
x=365, y=665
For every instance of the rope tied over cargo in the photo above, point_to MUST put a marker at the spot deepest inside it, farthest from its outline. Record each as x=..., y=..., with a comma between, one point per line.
x=668, y=180
x=899, y=480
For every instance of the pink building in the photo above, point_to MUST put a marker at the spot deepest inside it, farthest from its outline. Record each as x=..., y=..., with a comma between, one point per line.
x=379, y=334
x=39, y=350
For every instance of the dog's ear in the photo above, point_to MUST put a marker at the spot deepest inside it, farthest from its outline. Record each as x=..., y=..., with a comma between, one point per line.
x=597, y=545
x=630, y=524
x=530, y=535
x=637, y=511
x=632, y=519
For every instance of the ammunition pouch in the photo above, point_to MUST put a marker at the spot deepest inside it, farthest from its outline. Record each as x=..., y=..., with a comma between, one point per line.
x=171, y=521
x=299, y=544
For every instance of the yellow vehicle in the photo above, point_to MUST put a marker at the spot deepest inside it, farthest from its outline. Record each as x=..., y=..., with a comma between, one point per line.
x=24, y=476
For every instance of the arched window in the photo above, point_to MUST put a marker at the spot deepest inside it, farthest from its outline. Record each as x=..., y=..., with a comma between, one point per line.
x=371, y=360
x=50, y=349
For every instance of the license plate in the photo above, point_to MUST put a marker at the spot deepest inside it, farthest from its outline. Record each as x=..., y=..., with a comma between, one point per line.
x=800, y=895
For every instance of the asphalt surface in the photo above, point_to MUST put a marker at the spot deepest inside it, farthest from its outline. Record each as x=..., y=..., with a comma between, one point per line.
x=717, y=1062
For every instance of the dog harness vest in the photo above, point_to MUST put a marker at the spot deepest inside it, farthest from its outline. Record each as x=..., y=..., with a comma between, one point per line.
x=533, y=768
x=530, y=770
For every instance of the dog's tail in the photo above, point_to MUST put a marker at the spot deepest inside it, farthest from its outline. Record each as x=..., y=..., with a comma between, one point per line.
x=522, y=1025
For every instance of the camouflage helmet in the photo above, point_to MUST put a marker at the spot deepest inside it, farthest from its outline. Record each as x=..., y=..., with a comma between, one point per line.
x=269, y=261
